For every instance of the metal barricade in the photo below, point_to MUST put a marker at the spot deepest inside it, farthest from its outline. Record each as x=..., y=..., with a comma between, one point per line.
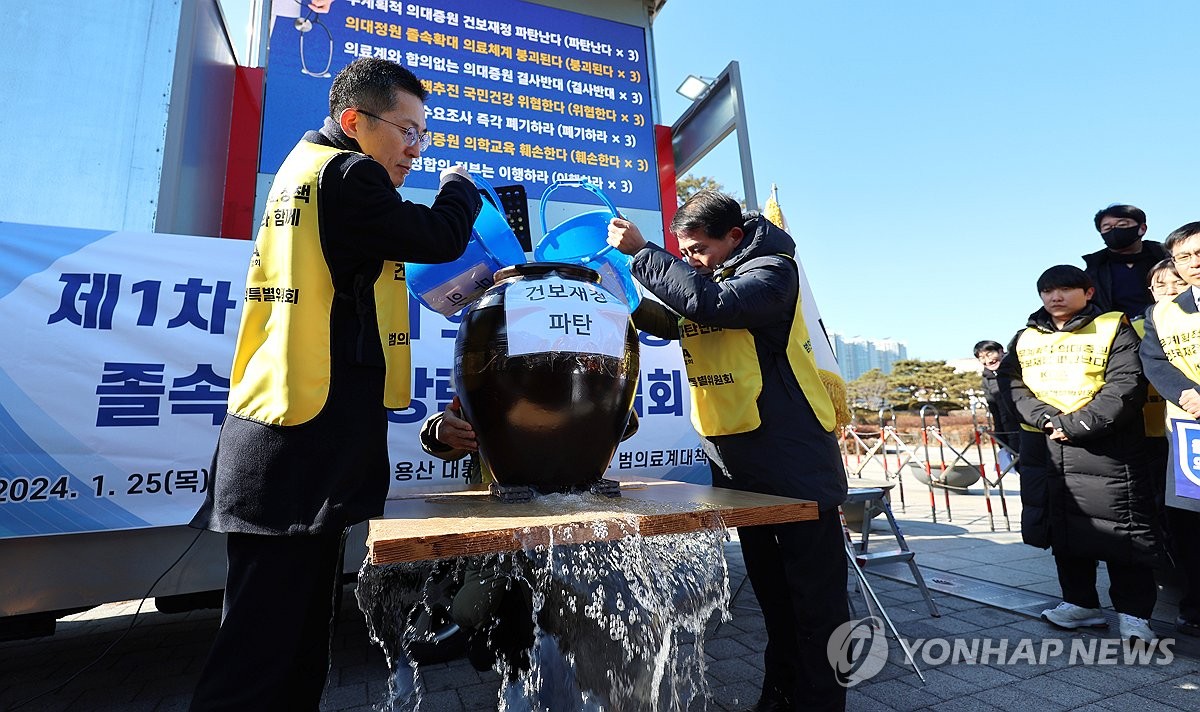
x=983, y=429
x=857, y=455
x=957, y=473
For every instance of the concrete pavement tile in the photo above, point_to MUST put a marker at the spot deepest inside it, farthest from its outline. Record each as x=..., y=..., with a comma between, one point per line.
x=1038, y=628
x=954, y=625
x=744, y=620
x=960, y=704
x=726, y=648
x=1187, y=657
x=939, y=560
x=1046, y=588
x=988, y=617
x=943, y=685
x=1044, y=564
x=1131, y=701
x=343, y=696
x=982, y=675
x=443, y=701
x=1141, y=675
x=377, y=689
x=903, y=612
x=1182, y=692
x=436, y=680
x=1012, y=698
x=947, y=603
x=922, y=628
x=1002, y=574
x=858, y=702
x=894, y=670
x=884, y=585
x=994, y=553
x=736, y=695
x=733, y=670
x=1095, y=678
x=912, y=595
x=1059, y=690
x=348, y=674
x=481, y=696
x=900, y=696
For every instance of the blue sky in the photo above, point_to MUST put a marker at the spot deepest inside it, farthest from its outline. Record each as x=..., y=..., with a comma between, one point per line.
x=933, y=157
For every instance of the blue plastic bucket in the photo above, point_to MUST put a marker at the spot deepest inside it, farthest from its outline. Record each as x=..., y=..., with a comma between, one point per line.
x=447, y=288
x=583, y=240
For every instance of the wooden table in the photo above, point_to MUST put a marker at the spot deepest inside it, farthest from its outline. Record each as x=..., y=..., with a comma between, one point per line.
x=473, y=522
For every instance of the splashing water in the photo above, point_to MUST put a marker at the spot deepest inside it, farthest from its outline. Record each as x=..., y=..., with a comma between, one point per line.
x=582, y=624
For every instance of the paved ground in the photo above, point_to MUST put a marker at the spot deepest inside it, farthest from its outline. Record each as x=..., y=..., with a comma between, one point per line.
x=154, y=667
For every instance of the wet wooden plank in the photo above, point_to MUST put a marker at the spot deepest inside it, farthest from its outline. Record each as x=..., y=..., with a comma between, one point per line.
x=472, y=522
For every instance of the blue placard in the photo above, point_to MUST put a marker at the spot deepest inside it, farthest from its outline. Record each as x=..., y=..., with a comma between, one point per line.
x=520, y=93
x=1186, y=458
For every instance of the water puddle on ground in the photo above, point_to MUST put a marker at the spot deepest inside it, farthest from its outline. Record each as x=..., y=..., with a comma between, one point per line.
x=589, y=617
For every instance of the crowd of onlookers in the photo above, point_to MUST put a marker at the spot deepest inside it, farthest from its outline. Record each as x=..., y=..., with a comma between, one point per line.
x=1098, y=399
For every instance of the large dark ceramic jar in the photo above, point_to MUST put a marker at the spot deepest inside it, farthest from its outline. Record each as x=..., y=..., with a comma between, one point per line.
x=549, y=419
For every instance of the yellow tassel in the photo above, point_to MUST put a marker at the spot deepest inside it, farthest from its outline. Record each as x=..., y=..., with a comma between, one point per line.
x=836, y=388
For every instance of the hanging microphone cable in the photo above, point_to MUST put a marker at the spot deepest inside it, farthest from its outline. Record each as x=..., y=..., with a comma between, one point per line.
x=124, y=633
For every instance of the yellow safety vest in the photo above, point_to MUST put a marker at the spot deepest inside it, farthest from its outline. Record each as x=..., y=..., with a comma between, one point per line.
x=725, y=380
x=282, y=362
x=1155, y=411
x=1065, y=369
x=1179, y=334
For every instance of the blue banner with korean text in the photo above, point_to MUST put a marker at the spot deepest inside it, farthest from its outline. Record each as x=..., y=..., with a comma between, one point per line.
x=518, y=92
x=1183, y=487
x=114, y=375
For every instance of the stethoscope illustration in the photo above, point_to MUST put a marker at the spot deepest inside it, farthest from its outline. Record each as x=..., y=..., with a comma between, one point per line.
x=303, y=26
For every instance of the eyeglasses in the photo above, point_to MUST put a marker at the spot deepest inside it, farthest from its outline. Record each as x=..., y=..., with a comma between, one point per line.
x=411, y=137
x=1122, y=223
x=1184, y=258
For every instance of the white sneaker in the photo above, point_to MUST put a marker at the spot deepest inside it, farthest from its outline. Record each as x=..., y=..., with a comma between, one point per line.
x=1134, y=628
x=1071, y=616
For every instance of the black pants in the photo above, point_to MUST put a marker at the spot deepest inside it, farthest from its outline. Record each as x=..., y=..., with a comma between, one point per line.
x=272, y=651
x=1133, y=590
x=798, y=572
x=1184, y=528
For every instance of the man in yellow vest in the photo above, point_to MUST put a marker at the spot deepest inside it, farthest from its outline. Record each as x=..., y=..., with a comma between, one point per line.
x=766, y=421
x=1171, y=357
x=321, y=354
x=1076, y=377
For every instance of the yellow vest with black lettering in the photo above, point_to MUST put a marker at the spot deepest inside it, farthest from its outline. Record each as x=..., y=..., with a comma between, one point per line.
x=283, y=359
x=725, y=379
x=1179, y=334
x=1065, y=369
x=1154, y=413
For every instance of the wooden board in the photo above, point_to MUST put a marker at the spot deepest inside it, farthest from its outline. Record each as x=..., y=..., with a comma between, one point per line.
x=473, y=522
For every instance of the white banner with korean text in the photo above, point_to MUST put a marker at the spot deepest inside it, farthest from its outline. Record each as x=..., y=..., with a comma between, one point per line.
x=114, y=373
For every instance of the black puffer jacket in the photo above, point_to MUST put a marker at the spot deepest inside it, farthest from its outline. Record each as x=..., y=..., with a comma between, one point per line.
x=1100, y=485
x=790, y=454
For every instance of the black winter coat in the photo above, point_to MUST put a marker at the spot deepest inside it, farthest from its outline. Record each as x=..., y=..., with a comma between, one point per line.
x=1098, y=266
x=1006, y=424
x=1100, y=484
x=333, y=471
x=790, y=454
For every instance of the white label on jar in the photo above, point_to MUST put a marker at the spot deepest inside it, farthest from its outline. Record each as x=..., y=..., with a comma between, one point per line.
x=555, y=314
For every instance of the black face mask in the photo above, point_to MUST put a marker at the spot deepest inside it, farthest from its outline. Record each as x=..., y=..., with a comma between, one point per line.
x=1118, y=238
